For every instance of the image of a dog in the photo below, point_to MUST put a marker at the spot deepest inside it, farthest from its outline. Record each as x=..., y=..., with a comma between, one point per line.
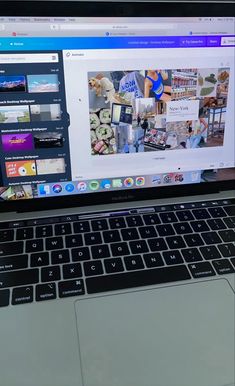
x=103, y=87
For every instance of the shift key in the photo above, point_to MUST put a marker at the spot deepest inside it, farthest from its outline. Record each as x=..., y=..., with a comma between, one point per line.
x=16, y=278
x=11, y=248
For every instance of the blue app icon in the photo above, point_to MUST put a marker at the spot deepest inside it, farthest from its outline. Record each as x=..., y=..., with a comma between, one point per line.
x=69, y=188
x=44, y=190
x=105, y=184
x=57, y=188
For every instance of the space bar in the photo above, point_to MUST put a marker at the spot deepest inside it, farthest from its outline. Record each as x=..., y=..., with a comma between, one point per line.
x=136, y=279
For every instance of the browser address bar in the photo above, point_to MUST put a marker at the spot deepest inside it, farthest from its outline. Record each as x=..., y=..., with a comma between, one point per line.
x=139, y=26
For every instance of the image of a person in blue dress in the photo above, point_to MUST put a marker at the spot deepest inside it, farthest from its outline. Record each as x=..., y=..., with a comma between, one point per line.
x=155, y=82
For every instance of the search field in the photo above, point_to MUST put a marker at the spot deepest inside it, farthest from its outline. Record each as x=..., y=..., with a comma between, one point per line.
x=228, y=41
x=130, y=26
x=29, y=58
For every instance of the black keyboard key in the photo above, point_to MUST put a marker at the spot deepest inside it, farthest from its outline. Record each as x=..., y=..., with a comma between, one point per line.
x=93, y=238
x=211, y=238
x=100, y=251
x=134, y=221
x=137, y=279
x=230, y=222
x=201, y=214
x=193, y=240
x=34, y=245
x=45, y=292
x=172, y=257
x=63, y=229
x=120, y=249
x=151, y=219
x=80, y=254
x=153, y=260
x=24, y=233
x=233, y=261
x=199, y=270
x=157, y=244
x=99, y=225
x=17, y=278
x=11, y=248
x=71, y=288
x=11, y=263
x=81, y=227
x=73, y=241
x=191, y=254
x=165, y=230
x=216, y=224
x=6, y=235
x=184, y=215
x=175, y=242
x=54, y=243
x=22, y=295
x=147, y=232
x=117, y=222
x=50, y=273
x=217, y=212
x=111, y=236
x=133, y=262
x=60, y=257
x=129, y=234
x=230, y=210
x=92, y=268
x=182, y=228
x=139, y=246
x=223, y=266
x=199, y=226
x=44, y=231
x=4, y=298
x=227, y=250
x=71, y=271
x=210, y=252
x=39, y=259
x=113, y=265
x=227, y=235
x=168, y=217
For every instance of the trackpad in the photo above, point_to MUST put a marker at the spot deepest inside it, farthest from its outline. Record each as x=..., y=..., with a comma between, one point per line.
x=173, y=336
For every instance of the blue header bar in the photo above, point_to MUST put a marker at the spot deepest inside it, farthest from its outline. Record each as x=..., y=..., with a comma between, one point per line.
x=70, y=43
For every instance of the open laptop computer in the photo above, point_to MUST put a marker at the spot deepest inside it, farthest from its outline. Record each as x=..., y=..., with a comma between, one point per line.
x=117, y=241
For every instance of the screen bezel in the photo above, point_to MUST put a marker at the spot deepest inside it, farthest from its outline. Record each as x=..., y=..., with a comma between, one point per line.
x=115, y=9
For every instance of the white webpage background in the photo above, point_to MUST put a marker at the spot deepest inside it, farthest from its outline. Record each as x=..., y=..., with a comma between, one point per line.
x=76, y=68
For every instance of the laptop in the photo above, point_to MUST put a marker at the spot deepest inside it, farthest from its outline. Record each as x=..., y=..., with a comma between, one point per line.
x=117, y=200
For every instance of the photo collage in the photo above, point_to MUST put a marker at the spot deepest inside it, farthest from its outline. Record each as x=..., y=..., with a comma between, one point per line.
x=33, y=131
x=155, y=110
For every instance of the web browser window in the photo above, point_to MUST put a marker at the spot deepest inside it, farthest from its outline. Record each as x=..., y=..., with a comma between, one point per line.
x=94, y=104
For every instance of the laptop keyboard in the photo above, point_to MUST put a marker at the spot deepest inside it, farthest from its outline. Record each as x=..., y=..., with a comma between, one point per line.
x=59, y=257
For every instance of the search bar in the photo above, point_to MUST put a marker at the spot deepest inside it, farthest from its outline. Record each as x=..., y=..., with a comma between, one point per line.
x=116, y=27
x=228, y=41
x=29, y=58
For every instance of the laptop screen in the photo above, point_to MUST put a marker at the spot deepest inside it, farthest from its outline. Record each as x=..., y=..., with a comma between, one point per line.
x=105, y=104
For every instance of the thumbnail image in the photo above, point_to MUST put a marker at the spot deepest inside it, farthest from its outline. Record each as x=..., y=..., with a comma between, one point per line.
x=48, y=140
x=223, y=82
x=121, y=114
x=114, y=87
x=158, y=84
x=145, y=107
x=17, y=142
x=43, y=83
x=187, y=135
x=160, y=122
x=12, y=83
x=42, y=113
x=50, y=166
x=14, y=114
x=16, y=192
x=184, y=83
x=102, y=134
x=20, y=169
x=155, y=139
x=207, y=81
